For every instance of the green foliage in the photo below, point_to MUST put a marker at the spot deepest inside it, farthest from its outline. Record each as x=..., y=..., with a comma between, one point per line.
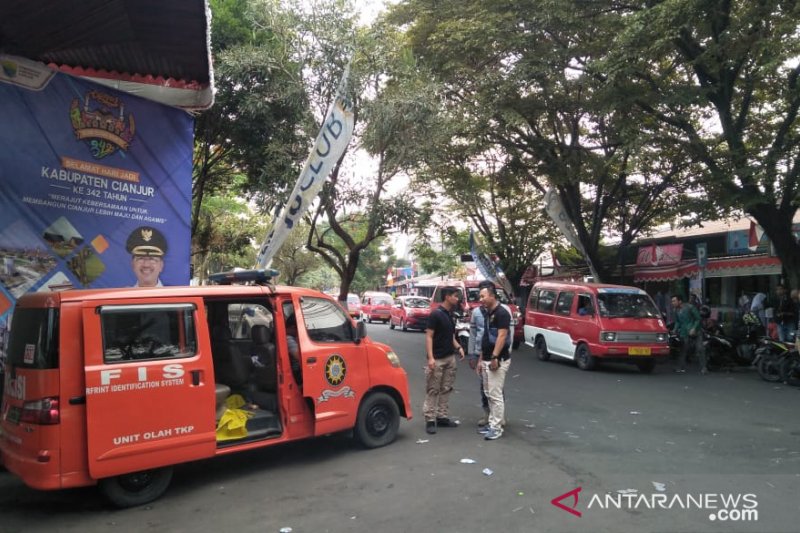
x=520, y=91
x=226, y=230
x=294, y=261
x=720, y=78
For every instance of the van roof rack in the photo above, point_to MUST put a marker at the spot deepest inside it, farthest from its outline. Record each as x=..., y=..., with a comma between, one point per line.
x=261, y=276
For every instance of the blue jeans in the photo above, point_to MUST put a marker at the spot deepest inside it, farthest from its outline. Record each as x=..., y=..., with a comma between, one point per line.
x=786, y=331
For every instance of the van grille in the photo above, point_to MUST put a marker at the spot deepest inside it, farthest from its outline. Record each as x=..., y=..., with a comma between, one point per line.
x=633, y=336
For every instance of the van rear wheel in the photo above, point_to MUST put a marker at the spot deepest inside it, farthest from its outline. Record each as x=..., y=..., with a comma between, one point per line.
x=378, y=420
x=136, y=488
x=540, y=346
x=584, y=358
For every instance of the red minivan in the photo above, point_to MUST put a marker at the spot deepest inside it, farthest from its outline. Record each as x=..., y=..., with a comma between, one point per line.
x=589, y=323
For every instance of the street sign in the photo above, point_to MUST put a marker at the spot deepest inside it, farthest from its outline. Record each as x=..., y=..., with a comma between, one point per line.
x=702, y=254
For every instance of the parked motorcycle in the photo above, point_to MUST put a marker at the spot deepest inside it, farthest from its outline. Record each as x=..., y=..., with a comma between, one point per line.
x=462, y=330
x=790, y=367
x=769, y=359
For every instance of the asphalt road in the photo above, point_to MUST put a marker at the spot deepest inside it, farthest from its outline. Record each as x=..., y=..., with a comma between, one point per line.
x=645, y=450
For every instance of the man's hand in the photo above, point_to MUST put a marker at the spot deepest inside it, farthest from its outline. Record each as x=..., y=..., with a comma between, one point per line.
x=494, y=364
x=431, y=363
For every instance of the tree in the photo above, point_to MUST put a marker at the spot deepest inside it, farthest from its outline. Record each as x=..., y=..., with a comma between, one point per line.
x=519, y=77
x=294, y=260
x=720, y=78
x=252, y=131
x=224, y=235
x=355, y=208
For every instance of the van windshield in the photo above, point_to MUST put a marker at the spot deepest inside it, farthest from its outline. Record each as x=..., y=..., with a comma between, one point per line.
x=418, y=303
x=474, y=295
x=626, y=305
x=381, y=301
x=34, y=338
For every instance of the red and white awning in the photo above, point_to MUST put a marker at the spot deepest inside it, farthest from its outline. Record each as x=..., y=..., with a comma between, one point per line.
x=761, y=265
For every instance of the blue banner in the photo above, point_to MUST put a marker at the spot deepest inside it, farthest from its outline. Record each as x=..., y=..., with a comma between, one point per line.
x=96, y=186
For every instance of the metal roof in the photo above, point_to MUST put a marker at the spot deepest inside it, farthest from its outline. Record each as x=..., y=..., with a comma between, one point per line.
x=158, y=49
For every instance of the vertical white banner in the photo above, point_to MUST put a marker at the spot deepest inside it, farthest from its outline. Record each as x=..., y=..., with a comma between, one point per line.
x=555, y=209
x=328, y=148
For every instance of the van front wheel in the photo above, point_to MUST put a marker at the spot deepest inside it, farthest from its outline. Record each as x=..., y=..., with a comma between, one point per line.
x=584, y=358
x=137, y=488
x=378, y=421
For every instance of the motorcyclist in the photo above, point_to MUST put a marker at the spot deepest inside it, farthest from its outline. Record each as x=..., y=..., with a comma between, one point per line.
x=708, y=324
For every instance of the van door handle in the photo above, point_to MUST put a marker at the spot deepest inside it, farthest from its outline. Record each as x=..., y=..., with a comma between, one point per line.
x=77, y=400
x=310, y=360
x=196, y=377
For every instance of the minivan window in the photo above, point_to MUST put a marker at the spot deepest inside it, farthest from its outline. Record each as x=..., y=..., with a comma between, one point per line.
x=547, y=299
x=136, y=332
x=626, y=305
x=437, y=296
x=564, y=303
x=474, y=295
x=34, y=338
x=326, y=321
x=585, y=306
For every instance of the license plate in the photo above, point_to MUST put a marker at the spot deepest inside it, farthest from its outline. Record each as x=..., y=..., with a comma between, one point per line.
x=638, y=351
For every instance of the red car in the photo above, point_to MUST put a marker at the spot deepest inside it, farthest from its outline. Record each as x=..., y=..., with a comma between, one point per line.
x=473, y=301
x=410, y=312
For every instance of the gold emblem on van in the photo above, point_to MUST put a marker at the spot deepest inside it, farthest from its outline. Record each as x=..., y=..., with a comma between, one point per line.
x=335, y=369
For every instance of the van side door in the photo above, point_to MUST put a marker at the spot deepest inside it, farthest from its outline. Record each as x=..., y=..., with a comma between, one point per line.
x=149, y=385
x=562, y=332
x=335, y=367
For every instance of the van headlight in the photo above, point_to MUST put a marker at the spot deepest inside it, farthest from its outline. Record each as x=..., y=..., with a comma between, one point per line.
x=393, y=359
x=662, y=337
x=608, y=336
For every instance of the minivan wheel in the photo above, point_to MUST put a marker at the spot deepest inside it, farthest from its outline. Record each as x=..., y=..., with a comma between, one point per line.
x=391, y=324
x=378, y=420
x=540, y=346
x=136, y=488
x=584, y=358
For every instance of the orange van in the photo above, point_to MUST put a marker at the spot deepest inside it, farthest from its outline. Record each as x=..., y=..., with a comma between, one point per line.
x=113, y=387
x=589, y=323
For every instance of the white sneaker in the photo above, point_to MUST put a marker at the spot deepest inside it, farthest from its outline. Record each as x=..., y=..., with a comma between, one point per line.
x=493, y=434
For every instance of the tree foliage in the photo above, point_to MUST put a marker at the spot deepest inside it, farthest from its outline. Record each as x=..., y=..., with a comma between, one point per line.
x=520, y=77
x=720, y=79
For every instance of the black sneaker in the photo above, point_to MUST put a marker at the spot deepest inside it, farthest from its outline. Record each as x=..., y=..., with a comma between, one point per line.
x=447, y=423
x=430, y=427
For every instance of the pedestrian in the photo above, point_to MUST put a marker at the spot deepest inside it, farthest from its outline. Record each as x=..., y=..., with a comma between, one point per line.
x=147, y=247
x=687, y=327
x=441, y=346
x=476, y=324
x=785, y=314
x=758, y=306
x=495, y=359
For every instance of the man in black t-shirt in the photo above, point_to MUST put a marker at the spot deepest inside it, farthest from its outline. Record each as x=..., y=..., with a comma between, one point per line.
x=495, y=359
x=440, y=372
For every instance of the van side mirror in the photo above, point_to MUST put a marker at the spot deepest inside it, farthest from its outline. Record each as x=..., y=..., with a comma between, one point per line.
x=360, y=332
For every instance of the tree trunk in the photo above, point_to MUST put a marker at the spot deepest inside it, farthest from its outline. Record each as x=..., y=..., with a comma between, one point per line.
x=348, y=275
x=777, y=225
